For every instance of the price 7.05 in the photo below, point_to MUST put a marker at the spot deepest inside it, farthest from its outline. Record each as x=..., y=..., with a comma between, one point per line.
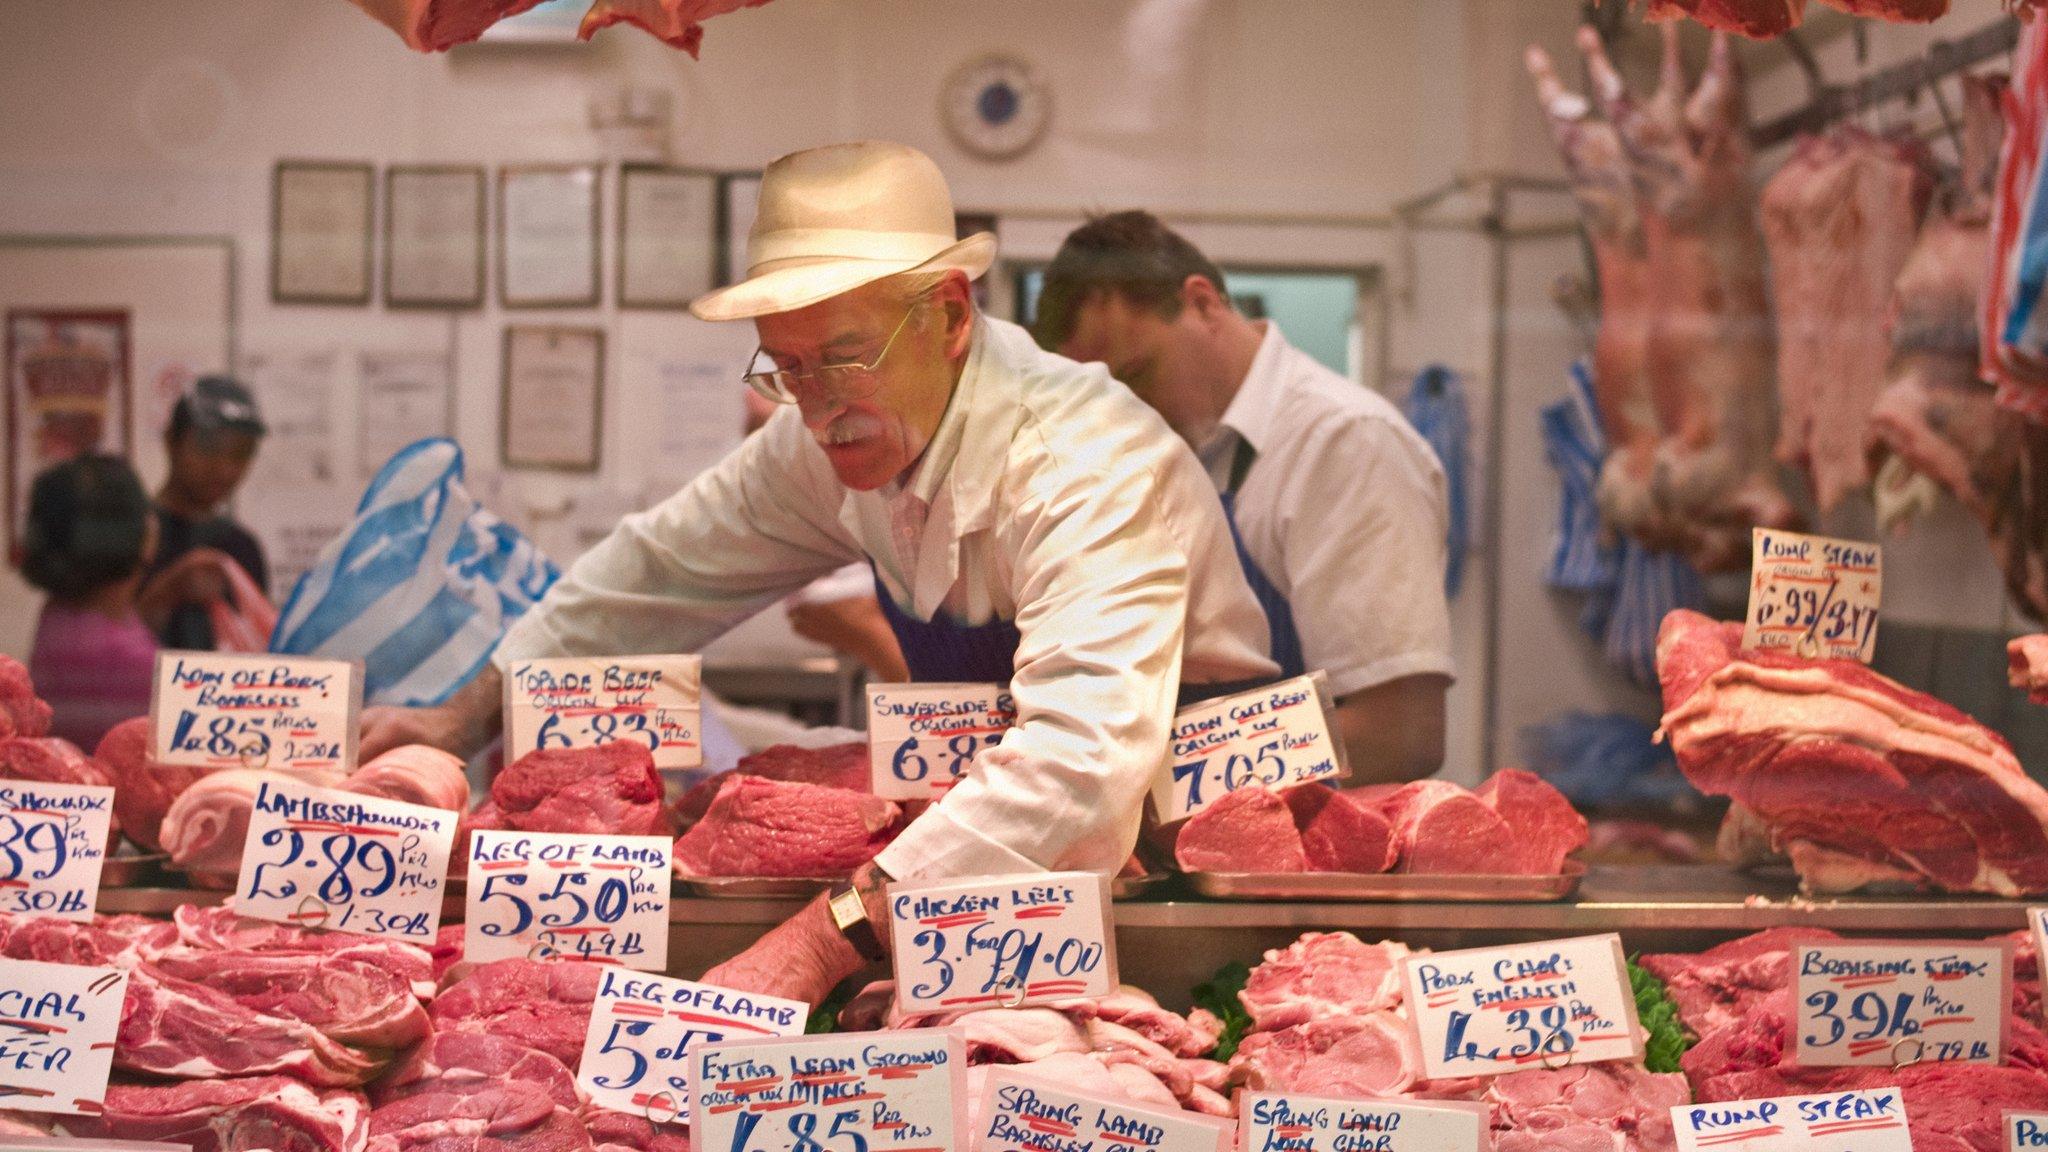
x=1265, y=766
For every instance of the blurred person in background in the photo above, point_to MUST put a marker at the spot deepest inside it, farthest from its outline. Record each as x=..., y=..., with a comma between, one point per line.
x=212, y=440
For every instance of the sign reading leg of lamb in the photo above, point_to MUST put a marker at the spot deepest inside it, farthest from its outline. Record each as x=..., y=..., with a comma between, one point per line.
x=438, y=25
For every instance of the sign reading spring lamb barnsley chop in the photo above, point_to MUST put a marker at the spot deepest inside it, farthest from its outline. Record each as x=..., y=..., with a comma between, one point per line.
x=1485, y=1011
x=53, y=843
x=641, y=1029
x=576, y=702
x=1871, y=1120
x=1275, y=1122
x=882, y=1091
x=321, y=858
x=57, y=1026
x=923, y=737
x=1813, y=595
x=554, y=894
x=1005, y=942
x=217, y=710
x=1021, y=1114
x=1889, y=1003
x=1272, y=737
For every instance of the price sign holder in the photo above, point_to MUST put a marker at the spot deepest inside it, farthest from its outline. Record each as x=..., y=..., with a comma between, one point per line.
x=1021, y=1113
x=642, y=1026
x=1272, y=737
x=579, y=702
x=321, y=858
x=580, y=897
x=1004, y=942
x=896, y=1091
x=57, y=1026
x=1554, y=1003
x=1813, y=595
x=2025, y=1131
x=220, y=710
x=53, y=843
x=1871, y=1120
x=2037, y=923
x=923, y=737
x=1890, y=1003
x=1277, y=1122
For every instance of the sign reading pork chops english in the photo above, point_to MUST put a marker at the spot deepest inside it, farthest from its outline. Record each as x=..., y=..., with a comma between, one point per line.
x=57, y=1026
x=923, y=737
x=1006, y=942
x=1872, y=1120
x=1890, y=1003
x=1272, y=1122
x=1813, y=595
x=1273, y=737
x=1485, y=1011
x=2026, y=1131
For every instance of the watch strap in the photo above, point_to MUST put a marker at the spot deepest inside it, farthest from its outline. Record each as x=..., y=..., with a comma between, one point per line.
x=850, y=915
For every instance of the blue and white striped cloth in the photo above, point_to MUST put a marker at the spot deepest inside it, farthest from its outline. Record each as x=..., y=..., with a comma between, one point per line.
x=1436, y=407
x=2026, y=322
x=420, y=588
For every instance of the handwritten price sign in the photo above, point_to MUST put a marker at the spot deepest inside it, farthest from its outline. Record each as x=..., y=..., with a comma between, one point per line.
x=588, y=897
x=859, y=1092
x=922, y=737
x=1888, y=1004
x=573, y=702
x=53, y=841
x=1873, y=1120
x=1020, y=1114
x=1006, y=942
x=1813, y=595
x=1270, y=1122
x=1484, y=1011
x=1274, y=737
x=641, y=1029
x=213, y=710
x=57, y=1026
x=319, y=858
x=2026, y=1130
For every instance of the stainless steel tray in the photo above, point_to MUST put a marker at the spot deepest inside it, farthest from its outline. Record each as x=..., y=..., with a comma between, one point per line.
x=1132, y=887
x=756, y=887
x=131, y=871
x=1387, y=887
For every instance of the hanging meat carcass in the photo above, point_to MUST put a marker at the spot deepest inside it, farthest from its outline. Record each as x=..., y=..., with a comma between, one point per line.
x=438, y=25
x=1763, y=19
x=1682, y=362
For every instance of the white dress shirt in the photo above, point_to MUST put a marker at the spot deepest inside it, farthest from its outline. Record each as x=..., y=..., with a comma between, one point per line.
x=1345, y=511
x=1049, y=496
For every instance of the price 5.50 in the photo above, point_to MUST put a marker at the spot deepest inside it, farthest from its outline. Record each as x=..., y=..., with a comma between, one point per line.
x=562, y=907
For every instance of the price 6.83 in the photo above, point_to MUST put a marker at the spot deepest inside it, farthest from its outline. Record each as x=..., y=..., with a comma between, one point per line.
x=357, y=867
x=565, y=906
x=910, y=765
x=1265, y=766
x=590, y=731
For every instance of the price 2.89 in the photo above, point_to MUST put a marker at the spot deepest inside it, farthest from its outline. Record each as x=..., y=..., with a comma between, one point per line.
x=358, y=867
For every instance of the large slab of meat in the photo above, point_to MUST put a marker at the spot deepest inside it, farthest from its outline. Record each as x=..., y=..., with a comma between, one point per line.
x=1682, y=361
x=1765, y=19
x=611, y=789
x=238, y=1115
x=438, y=25
x=1839, y=219
x=1857, y=778
x=22, y=712
x=786, y=811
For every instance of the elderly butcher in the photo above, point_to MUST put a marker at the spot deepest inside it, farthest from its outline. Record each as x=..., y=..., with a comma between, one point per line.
x=1029, y=521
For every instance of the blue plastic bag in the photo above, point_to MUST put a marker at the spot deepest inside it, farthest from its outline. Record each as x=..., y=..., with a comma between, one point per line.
x=1436, y=407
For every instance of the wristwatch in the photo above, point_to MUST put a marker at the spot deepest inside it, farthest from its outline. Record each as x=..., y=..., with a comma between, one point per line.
x=850, y=915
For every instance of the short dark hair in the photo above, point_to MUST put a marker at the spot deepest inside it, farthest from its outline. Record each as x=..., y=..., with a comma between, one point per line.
x=87, y=526
x=1133, y=254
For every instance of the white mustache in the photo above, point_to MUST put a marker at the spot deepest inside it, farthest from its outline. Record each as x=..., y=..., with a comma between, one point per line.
x=847, y=429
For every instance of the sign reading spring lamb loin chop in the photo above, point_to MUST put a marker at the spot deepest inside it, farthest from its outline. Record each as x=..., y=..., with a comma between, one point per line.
x=1813, y=595
x=1002, y=943
x=57, y=1026
x=1486, y=1011
x=577, y=702
x=1872, y=1120
x=216, y=710
x=1275, y=1122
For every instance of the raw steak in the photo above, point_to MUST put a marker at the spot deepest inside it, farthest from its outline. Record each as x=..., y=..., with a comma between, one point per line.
x=760, y=827
x=836, y=766
x=351, y=1001
x=1249, y=830
x=176, y=1028
x=144, y=790
x=462, y=1061
x=1371, y=1055
x=438, y=25
x=219, y=929
x=2027, y=659
x=1443, y=829
x=414, y=774
x=263, y=1112
x=510, y=1117
x=1848, y=767
x=1543, y=826
x=1340, y=832
x=22, y=712
x=1323, y=975
x=1589, y=1105
x=611, y=789
x=1727, y=983
x=542, y=1004
x=616, y=1130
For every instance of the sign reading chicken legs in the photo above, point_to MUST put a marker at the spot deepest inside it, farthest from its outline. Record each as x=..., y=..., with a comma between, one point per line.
x=1005, y=943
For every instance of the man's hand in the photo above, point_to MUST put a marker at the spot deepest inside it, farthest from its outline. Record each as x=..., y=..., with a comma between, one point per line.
x=461, y=726
x=805, y=956
x=855, y=628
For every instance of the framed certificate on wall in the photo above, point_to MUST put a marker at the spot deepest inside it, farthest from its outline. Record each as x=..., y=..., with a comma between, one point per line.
x=320, y=232
x=548, y=236
x=552, y=407
x=433, y=236
x=738, y=195
x=668, y=235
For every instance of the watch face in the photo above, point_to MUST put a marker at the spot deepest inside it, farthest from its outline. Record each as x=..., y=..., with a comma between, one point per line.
x=996, y=107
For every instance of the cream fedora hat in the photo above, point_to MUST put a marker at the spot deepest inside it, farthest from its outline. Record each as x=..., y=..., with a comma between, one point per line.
x=834, y=218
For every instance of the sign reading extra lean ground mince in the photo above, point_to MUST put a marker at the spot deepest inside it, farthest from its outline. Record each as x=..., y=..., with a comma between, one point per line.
x=923, y=737
x=1889, y=1003
x=1873, y=1120
x=880, y=1091
x=1005, y=942
x=1277, y=1122
x=1020, y=1113
x=57, y=1026
x=1813, y=595
x=1485, y=1011
x=215, y=710
x=1272, y=737
x=641, y=1029
x=577, y=702
x=320, y=858
x=560, y=894
x=53, y=842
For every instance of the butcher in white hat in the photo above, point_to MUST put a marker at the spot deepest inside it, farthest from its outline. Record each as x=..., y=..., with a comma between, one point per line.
x=1029, y=521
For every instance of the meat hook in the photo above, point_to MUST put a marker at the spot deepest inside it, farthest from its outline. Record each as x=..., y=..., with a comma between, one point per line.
x=673, y=1108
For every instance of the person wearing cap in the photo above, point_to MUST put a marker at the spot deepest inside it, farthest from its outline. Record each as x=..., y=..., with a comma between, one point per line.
x=212, y=439
x=1340, y=507
x=1028, y=520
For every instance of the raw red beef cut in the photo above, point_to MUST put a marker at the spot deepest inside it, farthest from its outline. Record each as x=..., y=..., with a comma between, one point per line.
x=1726, y=983
x=22, y=712
x=542, y=1004
x=510, y=1117
x=1857, y=777
x=760, y=827
x=1323, y=975
x=143, y=789
x=463, y=1061
x=352, y=1001
x=438, y=25
x=1249, y=830
x=1355, y=1056
x=176, y=1028
x=1544, y=827
x=1340, y=832
x=611, y=789
x=264, y=1112
x=616, y=1130
x=836, y=766
x=219, y=929
x=1444, y=830
x=2027, y=666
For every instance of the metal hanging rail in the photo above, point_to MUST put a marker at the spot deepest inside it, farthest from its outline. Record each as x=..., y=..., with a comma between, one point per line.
x=1836, y=102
